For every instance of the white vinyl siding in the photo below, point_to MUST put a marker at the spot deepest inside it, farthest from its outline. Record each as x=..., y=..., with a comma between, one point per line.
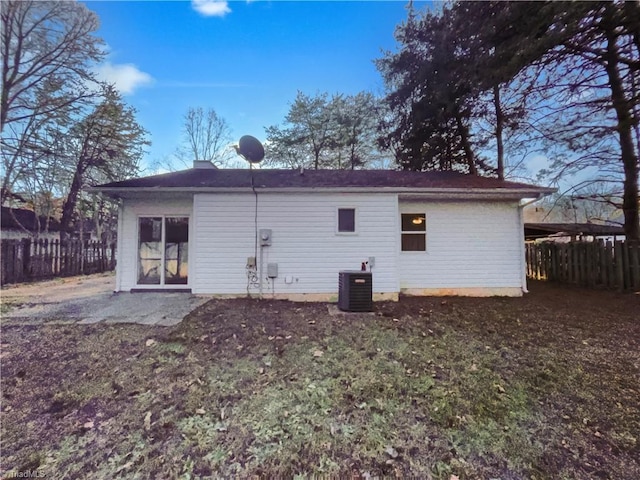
x=305, y=245
x=469, y=245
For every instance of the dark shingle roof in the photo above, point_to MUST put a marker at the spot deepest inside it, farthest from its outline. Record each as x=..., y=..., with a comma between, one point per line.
x=201, y=178
x=539, y=230
x=14, y=218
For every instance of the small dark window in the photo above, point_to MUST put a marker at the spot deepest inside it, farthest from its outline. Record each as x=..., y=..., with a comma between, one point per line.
x=414, y=232
x=346, y=220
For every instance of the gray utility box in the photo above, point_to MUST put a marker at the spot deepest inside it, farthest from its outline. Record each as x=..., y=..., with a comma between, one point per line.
x=355, y=291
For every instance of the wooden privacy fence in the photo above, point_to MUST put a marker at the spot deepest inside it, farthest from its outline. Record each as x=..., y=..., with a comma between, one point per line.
x=26, y=260
x=614, y=265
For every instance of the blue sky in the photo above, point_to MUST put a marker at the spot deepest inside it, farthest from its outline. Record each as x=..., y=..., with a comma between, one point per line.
x=246, y=60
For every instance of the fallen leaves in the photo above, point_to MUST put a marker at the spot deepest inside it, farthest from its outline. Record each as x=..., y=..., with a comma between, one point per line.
x=392, y=452
x=147, y=421
x=372, y=358
x=124, y=467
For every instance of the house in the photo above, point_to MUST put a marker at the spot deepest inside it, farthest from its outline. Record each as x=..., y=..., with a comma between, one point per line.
x=287, y=233
x=20, y=223
x=565, y=232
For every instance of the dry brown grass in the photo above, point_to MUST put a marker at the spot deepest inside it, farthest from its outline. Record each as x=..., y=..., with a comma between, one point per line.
x=547, y=386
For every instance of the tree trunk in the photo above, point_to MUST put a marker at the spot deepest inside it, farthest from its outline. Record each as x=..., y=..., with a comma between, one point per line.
x=69, y=206
x=622, y=107
x=96, y=219
x=632, y=17
x=499, y=130
x=353, y=155
x=466, y=145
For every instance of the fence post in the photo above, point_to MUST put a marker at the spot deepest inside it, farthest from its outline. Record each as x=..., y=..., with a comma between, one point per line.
x=112, y=265
x=56, y=257
x=47, y=257
x=619, y=265
x=604, y=263
x=595, y=263
x=610, y=265
x=8, y=259
x=627, y=264
x=63, y=257
x=83, y=253
x=26, y=266
x=4, y=246
x=76, y=260
x=634, y=264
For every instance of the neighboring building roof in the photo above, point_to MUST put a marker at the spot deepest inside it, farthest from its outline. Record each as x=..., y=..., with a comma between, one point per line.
x=26, y=218
x=541, y=230
x=201, y=179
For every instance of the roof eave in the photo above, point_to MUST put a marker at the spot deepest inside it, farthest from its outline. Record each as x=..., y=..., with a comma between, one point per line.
x=404, y=192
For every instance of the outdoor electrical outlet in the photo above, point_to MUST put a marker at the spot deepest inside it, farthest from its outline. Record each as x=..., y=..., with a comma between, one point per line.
x=251, y=262
x=372, y=262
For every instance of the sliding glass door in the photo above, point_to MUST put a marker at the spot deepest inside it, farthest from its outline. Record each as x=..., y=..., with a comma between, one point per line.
x=163, y=250
x=176, y=250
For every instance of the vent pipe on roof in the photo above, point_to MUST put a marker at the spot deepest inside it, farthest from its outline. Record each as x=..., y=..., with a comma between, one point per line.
x=203, y=164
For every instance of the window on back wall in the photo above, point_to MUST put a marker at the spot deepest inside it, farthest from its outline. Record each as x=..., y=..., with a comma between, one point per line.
x=346, y=220
x=414, y=232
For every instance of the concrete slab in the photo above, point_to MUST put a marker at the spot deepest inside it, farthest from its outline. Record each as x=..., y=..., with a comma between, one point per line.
x=91, y=300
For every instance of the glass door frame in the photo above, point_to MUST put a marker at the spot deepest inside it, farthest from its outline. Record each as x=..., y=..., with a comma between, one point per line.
x=163, y=237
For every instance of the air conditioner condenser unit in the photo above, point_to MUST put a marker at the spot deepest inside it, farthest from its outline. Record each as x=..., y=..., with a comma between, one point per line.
x=355, y=291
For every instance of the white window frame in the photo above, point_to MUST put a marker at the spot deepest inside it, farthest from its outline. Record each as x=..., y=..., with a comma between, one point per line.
x=414, y=232
x=355, y=220
x=162, y=240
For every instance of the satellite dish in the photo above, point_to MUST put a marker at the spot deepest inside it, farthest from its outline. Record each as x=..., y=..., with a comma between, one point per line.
x=250, y=149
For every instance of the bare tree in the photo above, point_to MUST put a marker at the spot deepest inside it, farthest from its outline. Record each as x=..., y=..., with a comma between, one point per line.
x=106, y=145
x=47, y=51
x=206, y=137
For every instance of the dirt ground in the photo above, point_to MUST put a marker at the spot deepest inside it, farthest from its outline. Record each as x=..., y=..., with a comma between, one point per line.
x=90, y=299
x=60, y=289
x=545, y=386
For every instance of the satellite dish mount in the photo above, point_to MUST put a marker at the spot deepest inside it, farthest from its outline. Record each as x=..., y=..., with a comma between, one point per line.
x=250, y=149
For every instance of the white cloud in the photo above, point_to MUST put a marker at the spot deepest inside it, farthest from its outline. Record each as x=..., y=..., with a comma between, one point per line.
x=537, y=162
x=126, y=77
x=211, y=8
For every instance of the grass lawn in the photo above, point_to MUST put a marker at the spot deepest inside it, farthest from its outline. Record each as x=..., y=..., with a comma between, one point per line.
x=545, y=386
